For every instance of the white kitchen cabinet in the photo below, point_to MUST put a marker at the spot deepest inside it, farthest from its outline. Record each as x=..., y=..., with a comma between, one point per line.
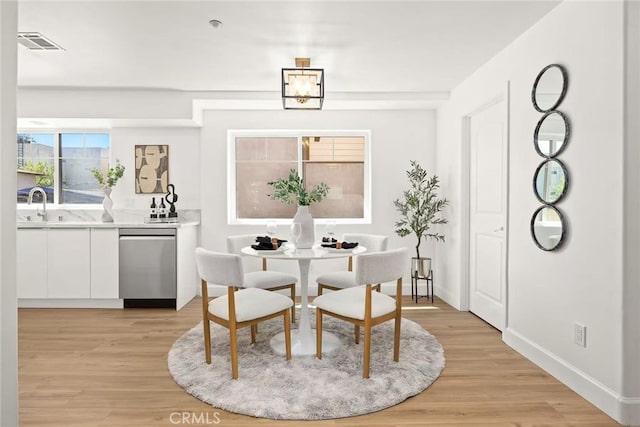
x=188, y=279
x=31, y=251
x=104, y=263
x=69, y=263
x=76, y=266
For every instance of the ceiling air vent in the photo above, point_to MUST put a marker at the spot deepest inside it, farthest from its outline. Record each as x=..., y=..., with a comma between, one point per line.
x=36, y=41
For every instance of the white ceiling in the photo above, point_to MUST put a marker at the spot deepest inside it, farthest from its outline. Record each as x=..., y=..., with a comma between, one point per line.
x=364, y=46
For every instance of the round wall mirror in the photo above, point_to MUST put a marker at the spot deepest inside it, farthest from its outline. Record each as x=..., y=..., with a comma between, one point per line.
x=548, y=228
x=549, y=88
x=552, y=134
x=550, y=181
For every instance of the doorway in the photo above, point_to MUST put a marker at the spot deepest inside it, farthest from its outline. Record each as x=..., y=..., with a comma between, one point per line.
x=487, y=152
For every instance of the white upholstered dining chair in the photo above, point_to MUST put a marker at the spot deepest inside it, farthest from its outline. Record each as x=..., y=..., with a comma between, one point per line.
x=264, y=279
x=336, y=280
x=363, y=307
x=239, y=308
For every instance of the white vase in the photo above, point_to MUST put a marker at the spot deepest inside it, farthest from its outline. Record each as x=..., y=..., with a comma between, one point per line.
x=303, y=216
x=107, y=204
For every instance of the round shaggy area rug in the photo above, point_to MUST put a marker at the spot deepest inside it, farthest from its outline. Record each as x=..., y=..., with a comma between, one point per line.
x=305, y=388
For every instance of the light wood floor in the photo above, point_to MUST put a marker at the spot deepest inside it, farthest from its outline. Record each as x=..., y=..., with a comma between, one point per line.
x=109, y=368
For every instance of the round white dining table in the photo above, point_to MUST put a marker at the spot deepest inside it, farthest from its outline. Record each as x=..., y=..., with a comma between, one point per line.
x=303, y=340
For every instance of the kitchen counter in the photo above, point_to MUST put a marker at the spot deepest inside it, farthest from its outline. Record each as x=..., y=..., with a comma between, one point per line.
x=97, y=224
x=91, y=218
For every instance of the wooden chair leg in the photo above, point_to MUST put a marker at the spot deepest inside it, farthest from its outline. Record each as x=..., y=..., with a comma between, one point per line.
x=293, y=307
x=207, y=340
x=366, y=353
x=320, y=287
x=319, y=333
x=206, y=325
x=396, y=330
x=356, y=331
x=233, y=338
x=287, y=334
x=396, y=339
x=254, y=331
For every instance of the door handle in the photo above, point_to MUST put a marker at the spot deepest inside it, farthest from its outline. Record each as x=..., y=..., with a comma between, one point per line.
x=498, y=229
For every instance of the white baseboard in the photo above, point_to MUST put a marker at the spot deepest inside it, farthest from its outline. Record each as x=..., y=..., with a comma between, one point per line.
x=624, y=410
x=390, y=288
x=448, y=297
x=630, y=411
x=69, y=303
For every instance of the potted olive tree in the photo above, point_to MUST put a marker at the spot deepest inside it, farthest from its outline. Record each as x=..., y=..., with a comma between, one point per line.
x=419, y=210
x=292, y=190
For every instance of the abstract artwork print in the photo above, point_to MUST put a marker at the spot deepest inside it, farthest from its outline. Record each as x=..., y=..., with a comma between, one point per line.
x=152, y=168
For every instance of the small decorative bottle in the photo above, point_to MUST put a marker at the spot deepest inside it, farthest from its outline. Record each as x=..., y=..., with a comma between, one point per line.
x=162, y=210
x=154, y=211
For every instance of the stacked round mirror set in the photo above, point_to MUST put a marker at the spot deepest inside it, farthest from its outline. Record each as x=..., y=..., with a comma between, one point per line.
x=550, y=138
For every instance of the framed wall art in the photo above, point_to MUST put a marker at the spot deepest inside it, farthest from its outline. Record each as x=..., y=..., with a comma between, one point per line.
x=152, y=169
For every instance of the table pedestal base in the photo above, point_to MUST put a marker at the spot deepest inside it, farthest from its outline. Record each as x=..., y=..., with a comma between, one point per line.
x=305, y=345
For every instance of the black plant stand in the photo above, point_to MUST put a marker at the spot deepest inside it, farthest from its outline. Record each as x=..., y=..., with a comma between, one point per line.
x=421, y=270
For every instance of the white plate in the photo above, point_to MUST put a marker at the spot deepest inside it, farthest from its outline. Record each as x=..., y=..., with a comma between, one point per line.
x=339, y=250
x=273, y=251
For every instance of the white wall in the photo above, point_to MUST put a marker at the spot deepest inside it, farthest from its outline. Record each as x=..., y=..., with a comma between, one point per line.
x=198, y=155
x=105, y=103
x=184, y=164
x=396, y=138
x=631, y=297
x=549, y=291
x=8, y=311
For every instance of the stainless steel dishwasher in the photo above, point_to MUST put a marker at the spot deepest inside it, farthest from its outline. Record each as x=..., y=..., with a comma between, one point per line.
x=148, y=274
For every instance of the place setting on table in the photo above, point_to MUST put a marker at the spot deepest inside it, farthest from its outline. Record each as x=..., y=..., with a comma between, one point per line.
x=333, y=245
x=269, y=244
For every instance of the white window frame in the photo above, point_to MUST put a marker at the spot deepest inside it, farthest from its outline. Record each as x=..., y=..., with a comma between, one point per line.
x=56, y=153
x=232, y=134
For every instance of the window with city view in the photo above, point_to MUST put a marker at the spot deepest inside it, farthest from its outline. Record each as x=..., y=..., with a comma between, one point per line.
x=339, y=159
x=61, y=164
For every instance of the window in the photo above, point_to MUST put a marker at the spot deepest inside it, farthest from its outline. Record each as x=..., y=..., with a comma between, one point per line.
x=340, y=159
x=61, y=164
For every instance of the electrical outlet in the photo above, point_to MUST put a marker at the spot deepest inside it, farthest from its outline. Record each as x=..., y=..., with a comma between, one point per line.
x=580, y=334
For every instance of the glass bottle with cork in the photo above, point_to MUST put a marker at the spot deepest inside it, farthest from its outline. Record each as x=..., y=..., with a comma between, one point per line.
x=154, y=208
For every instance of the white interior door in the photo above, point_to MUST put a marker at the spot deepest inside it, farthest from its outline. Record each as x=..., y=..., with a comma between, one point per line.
x=488, y=160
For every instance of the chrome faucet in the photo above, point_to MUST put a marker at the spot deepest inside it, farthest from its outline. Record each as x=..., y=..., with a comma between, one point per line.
x=34, y=190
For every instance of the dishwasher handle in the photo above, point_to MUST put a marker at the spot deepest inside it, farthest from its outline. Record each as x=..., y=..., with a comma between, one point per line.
x=147, y=232
x=143, y=238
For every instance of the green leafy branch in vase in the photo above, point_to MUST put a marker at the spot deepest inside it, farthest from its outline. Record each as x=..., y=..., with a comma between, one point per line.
x=112, y=176
x=291, y=190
